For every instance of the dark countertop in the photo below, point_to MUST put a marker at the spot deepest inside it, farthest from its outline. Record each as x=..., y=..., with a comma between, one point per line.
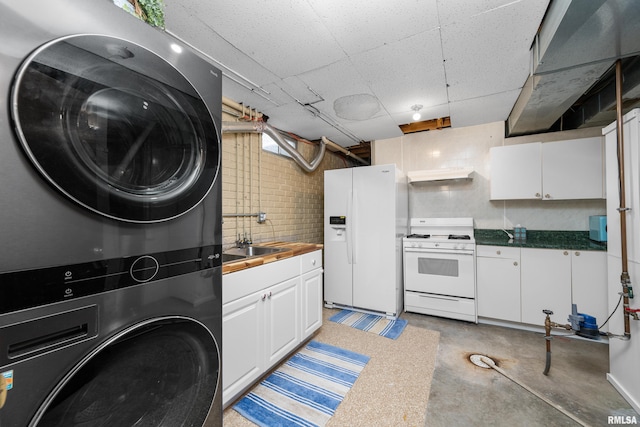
x=574, y=240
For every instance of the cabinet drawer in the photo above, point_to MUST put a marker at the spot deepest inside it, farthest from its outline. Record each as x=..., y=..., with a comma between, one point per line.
x=437, y=305
x=498, y=252
x=310, y=261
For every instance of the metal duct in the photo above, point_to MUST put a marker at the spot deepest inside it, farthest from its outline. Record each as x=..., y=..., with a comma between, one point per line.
x=577, y=43
x=262, y=127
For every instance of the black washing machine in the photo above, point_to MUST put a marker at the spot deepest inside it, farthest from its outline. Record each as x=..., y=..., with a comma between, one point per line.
x=111, y=222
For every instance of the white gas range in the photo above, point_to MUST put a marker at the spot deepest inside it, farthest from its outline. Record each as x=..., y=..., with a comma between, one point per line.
x=439, y=268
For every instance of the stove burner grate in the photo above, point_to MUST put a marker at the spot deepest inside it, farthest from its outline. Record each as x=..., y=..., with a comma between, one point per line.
x=459, y=237
x=419, y=236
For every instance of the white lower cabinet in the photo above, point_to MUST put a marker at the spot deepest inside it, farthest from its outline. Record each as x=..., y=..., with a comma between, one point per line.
x=242, y=344
x=589, y=284
x=282, y=320
x=516, y=284
x=545, y=279
x=311, y=293
x=267, y=312
x=498, y=280
x=258, y=331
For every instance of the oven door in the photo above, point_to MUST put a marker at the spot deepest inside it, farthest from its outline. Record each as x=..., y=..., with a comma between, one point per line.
x=443, y=272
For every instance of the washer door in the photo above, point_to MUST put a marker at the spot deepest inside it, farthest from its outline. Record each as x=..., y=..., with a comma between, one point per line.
x=164, y=373
x=115, y=128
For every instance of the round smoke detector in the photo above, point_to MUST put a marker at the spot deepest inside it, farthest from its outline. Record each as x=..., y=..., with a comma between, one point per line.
x=361, y=106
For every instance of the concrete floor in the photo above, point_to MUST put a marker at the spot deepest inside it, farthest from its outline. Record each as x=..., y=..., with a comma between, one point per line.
x=463, y=394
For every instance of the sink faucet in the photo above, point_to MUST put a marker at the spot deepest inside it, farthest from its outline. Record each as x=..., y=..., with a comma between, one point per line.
x=244, y=242
x=509, y=235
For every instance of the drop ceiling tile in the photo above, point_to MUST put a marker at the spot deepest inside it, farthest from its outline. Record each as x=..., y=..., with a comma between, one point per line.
x=286, y=38
x=299, y=90
x=357, y=25
x=335, y=80
x=405, y=73
x=379, y=128
x=484, y=109
x=489, y=53
x=254, y=99
x=296, y=119
x=452, y=11
x=188, y=26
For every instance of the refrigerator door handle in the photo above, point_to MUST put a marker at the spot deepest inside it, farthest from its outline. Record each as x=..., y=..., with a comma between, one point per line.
x=354, y=225
x=349, y=228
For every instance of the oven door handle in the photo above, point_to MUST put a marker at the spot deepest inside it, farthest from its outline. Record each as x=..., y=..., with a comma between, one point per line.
x=439, y=251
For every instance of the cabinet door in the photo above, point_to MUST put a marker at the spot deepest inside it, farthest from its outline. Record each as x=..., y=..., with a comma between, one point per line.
x=498, y=280
x=516, y=172
x=242, y=344
x=282, y=319
x=573, y=169
x=545, y=284
x=589, y=284
x=311, y=302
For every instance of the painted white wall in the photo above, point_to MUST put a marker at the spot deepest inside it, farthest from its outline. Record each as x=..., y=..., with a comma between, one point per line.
x=469, y=147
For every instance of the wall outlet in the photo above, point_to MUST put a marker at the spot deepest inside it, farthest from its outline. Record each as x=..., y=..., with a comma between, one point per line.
x=262, y=217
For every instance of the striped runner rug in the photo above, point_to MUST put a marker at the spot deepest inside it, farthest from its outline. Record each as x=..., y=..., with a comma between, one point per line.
x=306, y=389
x=371, y=323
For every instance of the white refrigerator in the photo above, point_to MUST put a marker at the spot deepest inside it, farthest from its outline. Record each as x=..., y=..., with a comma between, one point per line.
x=365, y=217
x=624, y=355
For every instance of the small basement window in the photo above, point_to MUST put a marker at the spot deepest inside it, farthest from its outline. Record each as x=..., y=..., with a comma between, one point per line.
x=268, y=144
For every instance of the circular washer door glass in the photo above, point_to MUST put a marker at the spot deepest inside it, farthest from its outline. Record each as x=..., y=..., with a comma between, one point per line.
x=162, y=375
x=115, y=128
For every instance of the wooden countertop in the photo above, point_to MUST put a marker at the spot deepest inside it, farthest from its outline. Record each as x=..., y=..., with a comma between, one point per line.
x=292, y=249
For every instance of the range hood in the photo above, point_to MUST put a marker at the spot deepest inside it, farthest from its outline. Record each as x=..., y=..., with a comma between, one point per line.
x=445, y=174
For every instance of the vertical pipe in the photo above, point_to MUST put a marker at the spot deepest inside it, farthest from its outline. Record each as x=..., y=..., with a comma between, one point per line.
x=624, y=276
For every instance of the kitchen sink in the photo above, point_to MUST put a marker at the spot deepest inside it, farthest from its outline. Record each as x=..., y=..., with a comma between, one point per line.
x=231, y=257
x=248, y=252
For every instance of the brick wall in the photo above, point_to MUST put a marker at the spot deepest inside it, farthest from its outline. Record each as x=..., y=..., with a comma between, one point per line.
x=254, y=180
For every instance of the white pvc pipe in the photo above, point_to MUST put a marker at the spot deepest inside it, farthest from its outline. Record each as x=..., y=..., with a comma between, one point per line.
x=343, y=150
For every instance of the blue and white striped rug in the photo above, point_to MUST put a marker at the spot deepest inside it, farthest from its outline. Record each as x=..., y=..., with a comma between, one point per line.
x=306, y=390
x=371, y=323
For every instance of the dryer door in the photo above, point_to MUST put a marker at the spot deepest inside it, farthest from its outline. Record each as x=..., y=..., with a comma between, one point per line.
x=163, y=374
x=116, y=128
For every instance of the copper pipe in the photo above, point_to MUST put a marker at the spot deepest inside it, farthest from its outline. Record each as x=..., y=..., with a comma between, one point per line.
x=624, y=276
x=547, y=338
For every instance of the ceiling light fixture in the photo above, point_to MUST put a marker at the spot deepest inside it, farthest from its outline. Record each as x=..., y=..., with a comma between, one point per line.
x=416, y=116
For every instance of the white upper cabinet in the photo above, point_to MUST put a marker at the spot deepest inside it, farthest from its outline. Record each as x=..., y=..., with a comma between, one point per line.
x=573, y=169
x=516, y=171
x=561, y=170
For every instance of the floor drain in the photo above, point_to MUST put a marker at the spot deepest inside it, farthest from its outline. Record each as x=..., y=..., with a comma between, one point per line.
x=479, y=360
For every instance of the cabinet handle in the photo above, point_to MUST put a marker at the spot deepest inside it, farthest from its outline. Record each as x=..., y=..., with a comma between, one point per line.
x=565, y=253
x=515, y=263
x=313, y=262
x=269, y=294
x=546, y=196
x=538, y=195
x=264, y=297
x=498, y=252
x=577, y=253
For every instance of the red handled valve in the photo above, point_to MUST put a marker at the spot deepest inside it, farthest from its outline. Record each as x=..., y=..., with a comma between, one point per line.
x=633, y=312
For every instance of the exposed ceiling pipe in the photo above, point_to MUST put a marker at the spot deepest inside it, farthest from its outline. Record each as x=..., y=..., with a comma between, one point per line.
x=239, y=108
x=346, y=152
x=624, y=276
x=262, y=127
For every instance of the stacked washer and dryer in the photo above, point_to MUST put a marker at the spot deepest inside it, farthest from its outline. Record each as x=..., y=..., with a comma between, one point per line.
x=110, y=225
